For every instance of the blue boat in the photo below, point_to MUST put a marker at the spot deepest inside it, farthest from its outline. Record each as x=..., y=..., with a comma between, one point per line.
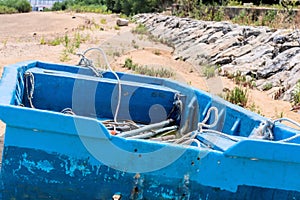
x=74, y=132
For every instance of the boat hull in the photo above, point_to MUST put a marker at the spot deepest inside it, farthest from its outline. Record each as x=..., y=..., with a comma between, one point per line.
x=42, y=164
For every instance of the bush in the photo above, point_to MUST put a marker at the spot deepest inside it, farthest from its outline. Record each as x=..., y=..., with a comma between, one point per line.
x=140, y=29
x=14, y=6
x=59, y=6
x=7, y=10
x=296, y=94
x=267, y=86
x=209, y=71
x=23, y=6
x=237, y=96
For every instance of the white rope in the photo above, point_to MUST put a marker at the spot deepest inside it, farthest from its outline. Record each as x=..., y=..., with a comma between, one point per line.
x=288, y=120
x=191, y=136
x=203, y=123
x=292, y=122
x=190, y=141
x=185, y=137
x=263, y=131
x=221, y=134
x=29, y=93
x=113, y=72
x=68, y=111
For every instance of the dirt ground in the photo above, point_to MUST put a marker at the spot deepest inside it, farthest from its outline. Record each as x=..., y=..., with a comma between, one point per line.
x=22, y=35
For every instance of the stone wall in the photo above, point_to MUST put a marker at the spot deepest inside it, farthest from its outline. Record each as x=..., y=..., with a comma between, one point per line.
x=269, y=56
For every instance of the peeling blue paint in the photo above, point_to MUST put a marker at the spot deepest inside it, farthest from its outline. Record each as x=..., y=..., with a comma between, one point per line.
x=44, y=165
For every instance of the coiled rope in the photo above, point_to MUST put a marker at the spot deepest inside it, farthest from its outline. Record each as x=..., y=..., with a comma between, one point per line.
x=88, y=63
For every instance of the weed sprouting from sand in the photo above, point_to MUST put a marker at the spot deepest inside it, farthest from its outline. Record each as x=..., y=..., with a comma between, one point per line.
x=238, y=96
x=56, y=41
x=146, y=70
x=254, y=108
x=64, y=57
x=140, y=29
x=71, y=44
x=267, y=86
x=103, y=21
x=43, y=41
x=5, y=42
x=296, y=94
x=209, y=71
x=157, y=52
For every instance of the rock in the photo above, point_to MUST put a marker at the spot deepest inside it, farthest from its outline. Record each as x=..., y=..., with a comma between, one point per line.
x=269, y=55
x=255, y=54
x=122, y=22
x=214, y=37
x=236, y=51
x=278, y=64
x=288, y=45
x=250, y=31
x=223, y=61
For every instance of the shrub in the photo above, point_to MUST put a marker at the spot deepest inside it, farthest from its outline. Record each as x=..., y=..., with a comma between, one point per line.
x=296, y=93
x=23, y=6
x=43, y=41
x=56, y=41
x=267, y=86
x=60, y=6
x=14, y=6
x=237, y=96
x=140, y=29
x=129, y=64
x=209, y=71
x=103, y=21
x=7, y=10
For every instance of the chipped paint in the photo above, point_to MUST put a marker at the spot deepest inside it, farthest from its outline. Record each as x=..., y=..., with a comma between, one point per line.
x=44, y=165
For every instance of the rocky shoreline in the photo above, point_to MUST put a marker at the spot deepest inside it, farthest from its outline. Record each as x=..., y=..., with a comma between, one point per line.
x=267, y=56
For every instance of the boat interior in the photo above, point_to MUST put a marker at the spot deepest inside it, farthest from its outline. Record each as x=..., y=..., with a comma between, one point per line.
x=140, y=107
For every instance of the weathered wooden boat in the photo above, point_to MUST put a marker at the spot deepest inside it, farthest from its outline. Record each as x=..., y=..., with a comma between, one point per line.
x=73, y=132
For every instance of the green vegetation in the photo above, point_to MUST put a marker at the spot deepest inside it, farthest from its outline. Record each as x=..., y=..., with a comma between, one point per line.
x=56, y=41
x=4, y=42
x=234, y=3
x=240, y=79
x=103, y=21
x=267, y=86
x=65, y=56
x=280, y=15
x=42, y=41
x=237, y=96
x=157, y=52
x=145, y=70
x=209, y=71
x=14, y=6
x=7, y=10
x=127, y=7
x=70, y=44
x=140, y=29
x=296, y=94
x=255, y=108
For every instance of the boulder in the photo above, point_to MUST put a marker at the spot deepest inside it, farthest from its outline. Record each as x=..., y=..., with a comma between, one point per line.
x=122, y=22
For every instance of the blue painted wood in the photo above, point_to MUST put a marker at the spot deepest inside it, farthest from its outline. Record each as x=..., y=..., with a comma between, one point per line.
x=50, y=155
